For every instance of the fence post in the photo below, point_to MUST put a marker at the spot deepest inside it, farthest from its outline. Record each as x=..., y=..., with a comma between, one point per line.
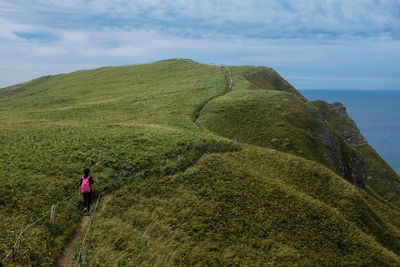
x=52, y=213
x=84, y=257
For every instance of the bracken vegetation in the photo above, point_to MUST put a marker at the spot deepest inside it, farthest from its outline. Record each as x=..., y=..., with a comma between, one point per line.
x=214, y=177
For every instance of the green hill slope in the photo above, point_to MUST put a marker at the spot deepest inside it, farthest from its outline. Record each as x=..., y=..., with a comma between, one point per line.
x=297, y=194
x=245, y=208
x=282, y=120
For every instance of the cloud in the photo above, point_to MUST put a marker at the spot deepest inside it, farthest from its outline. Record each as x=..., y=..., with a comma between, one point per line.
x=307, y=38
x=252, y=18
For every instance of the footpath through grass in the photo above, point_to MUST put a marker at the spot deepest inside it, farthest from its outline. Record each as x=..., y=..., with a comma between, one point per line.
x=121, y=122
x=197, y=196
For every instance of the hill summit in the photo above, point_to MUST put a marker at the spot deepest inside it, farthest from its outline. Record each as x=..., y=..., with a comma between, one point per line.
x=221, y=165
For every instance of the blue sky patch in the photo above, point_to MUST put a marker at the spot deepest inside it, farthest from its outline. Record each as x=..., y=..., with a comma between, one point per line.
x=44, y=37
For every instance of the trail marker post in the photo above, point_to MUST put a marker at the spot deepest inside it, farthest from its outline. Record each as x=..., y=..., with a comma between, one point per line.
x=52, y=213
x=84, y=257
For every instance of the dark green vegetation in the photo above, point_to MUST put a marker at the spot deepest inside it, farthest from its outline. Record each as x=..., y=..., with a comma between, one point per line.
x=278, y=195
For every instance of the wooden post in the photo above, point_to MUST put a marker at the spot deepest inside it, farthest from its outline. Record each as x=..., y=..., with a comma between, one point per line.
x=83, y=257
x=52, y=213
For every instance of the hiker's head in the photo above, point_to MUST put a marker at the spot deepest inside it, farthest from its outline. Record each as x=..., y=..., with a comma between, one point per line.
x=86, y=171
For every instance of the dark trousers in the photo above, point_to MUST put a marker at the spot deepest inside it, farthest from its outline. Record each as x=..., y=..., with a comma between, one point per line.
x=87, y=198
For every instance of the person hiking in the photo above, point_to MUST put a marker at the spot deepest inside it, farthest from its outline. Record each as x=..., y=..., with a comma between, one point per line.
x=85, y=189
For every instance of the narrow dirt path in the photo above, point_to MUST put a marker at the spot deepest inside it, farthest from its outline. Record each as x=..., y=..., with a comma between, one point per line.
x=228, y=89
x=65, y=259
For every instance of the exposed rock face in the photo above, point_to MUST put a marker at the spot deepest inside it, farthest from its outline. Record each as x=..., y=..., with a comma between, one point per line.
x=353, y=168
x=359, y=169
x=350, y=132
x=330, y=142
x=338, y=108
x=397, y=184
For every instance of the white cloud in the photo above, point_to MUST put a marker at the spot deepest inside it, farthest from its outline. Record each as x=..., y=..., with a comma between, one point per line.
x=296, y=37
x=278, y=16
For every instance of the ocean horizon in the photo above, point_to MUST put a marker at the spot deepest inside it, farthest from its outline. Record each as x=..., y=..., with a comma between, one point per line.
x=376, y=113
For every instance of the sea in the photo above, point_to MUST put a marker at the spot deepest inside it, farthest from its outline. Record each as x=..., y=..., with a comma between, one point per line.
x=376, y=113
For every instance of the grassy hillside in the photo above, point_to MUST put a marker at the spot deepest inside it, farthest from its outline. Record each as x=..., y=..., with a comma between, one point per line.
x=268, y=79
x=121, y=122
x=278, y=118
x=252, y=207
x=197, y=195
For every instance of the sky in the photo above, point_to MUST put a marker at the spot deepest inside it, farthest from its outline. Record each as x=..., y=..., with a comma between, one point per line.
x=314, y=44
